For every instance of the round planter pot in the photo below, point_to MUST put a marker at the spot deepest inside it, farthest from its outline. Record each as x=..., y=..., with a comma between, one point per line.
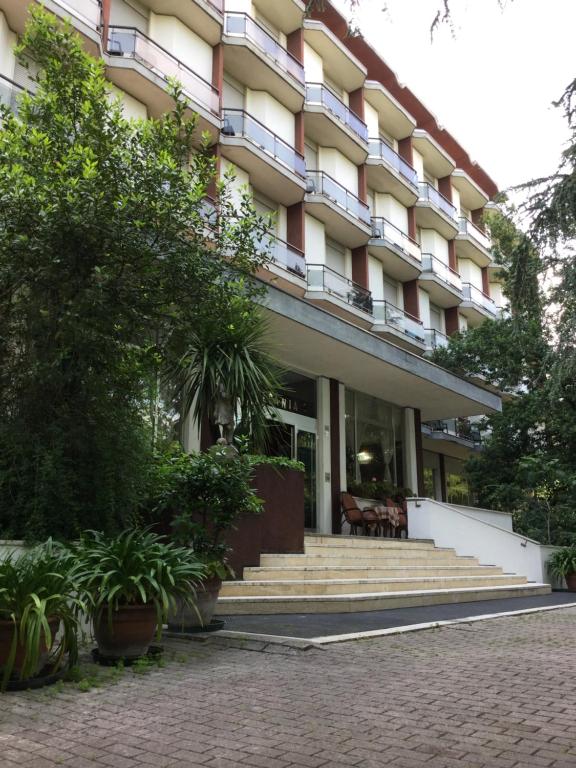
x=186, y=617
x=6, y=637
x=128, y=634
x=571, y=582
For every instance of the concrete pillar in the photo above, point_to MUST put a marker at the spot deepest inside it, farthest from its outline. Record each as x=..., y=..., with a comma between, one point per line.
x=323, y=459
x=443, y=486
x=335, y=450
x=410, y=457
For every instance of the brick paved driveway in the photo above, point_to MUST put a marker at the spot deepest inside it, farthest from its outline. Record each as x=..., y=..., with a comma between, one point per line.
x=500, y=693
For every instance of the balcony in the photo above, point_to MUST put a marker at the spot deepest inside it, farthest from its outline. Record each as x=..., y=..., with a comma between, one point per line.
x=260, y=62
x=462, y=432
x=399, y=254
x=434, y=211
x=389, y=173
x=274, y=166
x=85, y=15
x=476, y=305
x=339, y=63
x=346, y=217
x=286, y=268
x=141, y=67
x=435, y=340
x=398, y=326
x=442, y=283
x=204, y=16
x=9, y=92
x=331, y=123
x=286, y=16
x=472, y=243
x=339, y=295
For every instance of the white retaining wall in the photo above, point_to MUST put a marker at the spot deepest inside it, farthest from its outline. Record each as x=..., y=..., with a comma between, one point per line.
x=494, y=516
x=6, y=547
x=451, y=526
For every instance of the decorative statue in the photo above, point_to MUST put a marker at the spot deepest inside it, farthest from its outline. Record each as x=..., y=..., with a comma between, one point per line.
x=223, y=416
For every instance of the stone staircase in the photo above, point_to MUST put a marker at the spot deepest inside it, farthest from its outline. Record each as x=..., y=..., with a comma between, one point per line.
x=341, y=574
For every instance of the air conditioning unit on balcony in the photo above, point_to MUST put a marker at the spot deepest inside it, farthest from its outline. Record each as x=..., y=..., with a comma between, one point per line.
x=310, y=186
x=228, y=129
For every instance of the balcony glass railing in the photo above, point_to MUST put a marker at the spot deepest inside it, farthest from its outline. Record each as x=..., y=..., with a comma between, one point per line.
x=382, y=229
x=476, y=296
x=431, y=194
x=387, y=314
x=131, y=43
x=379, y=150
x=319, y=183
x=435, y=339
x=9, y=91
x=323, y=279
x=236, y=122
x=468, y=228
x=88, y=11
x=432, y=264
x=462, y=428
x=316, y=93
x=285, y=255
x=241, y=25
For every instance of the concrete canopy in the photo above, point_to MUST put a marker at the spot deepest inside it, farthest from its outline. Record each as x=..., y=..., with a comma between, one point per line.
x=308, y=339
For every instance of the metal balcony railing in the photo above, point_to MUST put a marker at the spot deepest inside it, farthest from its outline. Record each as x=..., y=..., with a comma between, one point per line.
x=435, y=339
x=324, y=279
x=131, y=43
x=285, y=255
x=316, y=93
x=379, y=150
x=466, y=227
x=320, y=183
x=242, y=25
x=382, y=229
x=9, y=91
x=87, y=11
x=431, y=194
x=236, y=122
x=388, y=314
x=476, y=296
x=462, y=428
x=433, y=265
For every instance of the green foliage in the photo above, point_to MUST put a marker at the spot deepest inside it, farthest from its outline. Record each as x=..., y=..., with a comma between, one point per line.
x=379, y=490
x=280, y=462
x=108, y=257
x=563, y=562
x=35, y=589
x=228, y=358
x=134, y=568
x=202, y=496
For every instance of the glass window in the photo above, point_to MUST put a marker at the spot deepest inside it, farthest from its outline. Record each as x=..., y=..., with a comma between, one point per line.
x=374, y=440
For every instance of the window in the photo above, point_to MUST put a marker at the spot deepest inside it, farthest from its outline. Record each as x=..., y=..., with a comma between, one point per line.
x=335, y=256
x=390, y=291
x=436, y=318
x=311, y=156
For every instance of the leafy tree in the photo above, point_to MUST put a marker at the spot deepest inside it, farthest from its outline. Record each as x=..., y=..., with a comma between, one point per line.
x=109, y=256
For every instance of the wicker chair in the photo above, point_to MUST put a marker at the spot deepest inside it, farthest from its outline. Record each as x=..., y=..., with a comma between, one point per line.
x=366, y=519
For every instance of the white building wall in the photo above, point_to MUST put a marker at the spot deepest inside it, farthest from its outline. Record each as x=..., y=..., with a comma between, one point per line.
x=264, y=107
x=424, y=302
x=333, y=162
x=183, y=43
x=323, y=462
x=375, y=278
x=470, y=272
x=497, y=295
x=456, y=199
x=462, y=323
x=131, y=107
x=433, y=242
x=133, y=15
x=313, y=66
x=240, y=183
x=418, y=164
x=315, y=241
x=7, y=43
x=239, y=6
x=371, y=120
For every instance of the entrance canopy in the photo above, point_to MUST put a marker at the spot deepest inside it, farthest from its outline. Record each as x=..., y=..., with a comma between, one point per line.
x=308, y=339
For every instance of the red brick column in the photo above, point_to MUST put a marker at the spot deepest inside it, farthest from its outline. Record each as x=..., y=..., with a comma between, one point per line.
x=411, y=302
x=451, y=318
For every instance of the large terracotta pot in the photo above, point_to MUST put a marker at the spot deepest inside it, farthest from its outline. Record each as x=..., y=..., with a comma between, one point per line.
x=128, y=635
x=571, y=582
x=186, y=618
x=6, y=637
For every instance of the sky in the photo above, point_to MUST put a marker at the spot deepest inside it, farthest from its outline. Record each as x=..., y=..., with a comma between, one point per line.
x=492, y=82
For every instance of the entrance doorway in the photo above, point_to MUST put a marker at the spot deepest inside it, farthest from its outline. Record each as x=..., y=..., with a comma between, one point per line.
x=295, y=438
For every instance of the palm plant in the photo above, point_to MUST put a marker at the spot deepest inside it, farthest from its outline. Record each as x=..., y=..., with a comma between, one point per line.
x=562, y=564
x=37, y=596
x=137, y=567
x=227, y=366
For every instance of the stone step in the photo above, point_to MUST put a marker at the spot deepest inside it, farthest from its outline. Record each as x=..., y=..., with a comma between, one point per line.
x=346, y=603
x=313, y=572
x=361, y=542
x=397, y=559
x=302, y=588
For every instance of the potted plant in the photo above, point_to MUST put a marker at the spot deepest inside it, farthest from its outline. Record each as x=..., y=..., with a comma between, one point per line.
x=562, y=565
x=131, y=582
x=201, y=497
x=37, y=600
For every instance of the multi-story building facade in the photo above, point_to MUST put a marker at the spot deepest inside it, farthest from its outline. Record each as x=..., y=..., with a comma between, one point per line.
x=380, y=251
